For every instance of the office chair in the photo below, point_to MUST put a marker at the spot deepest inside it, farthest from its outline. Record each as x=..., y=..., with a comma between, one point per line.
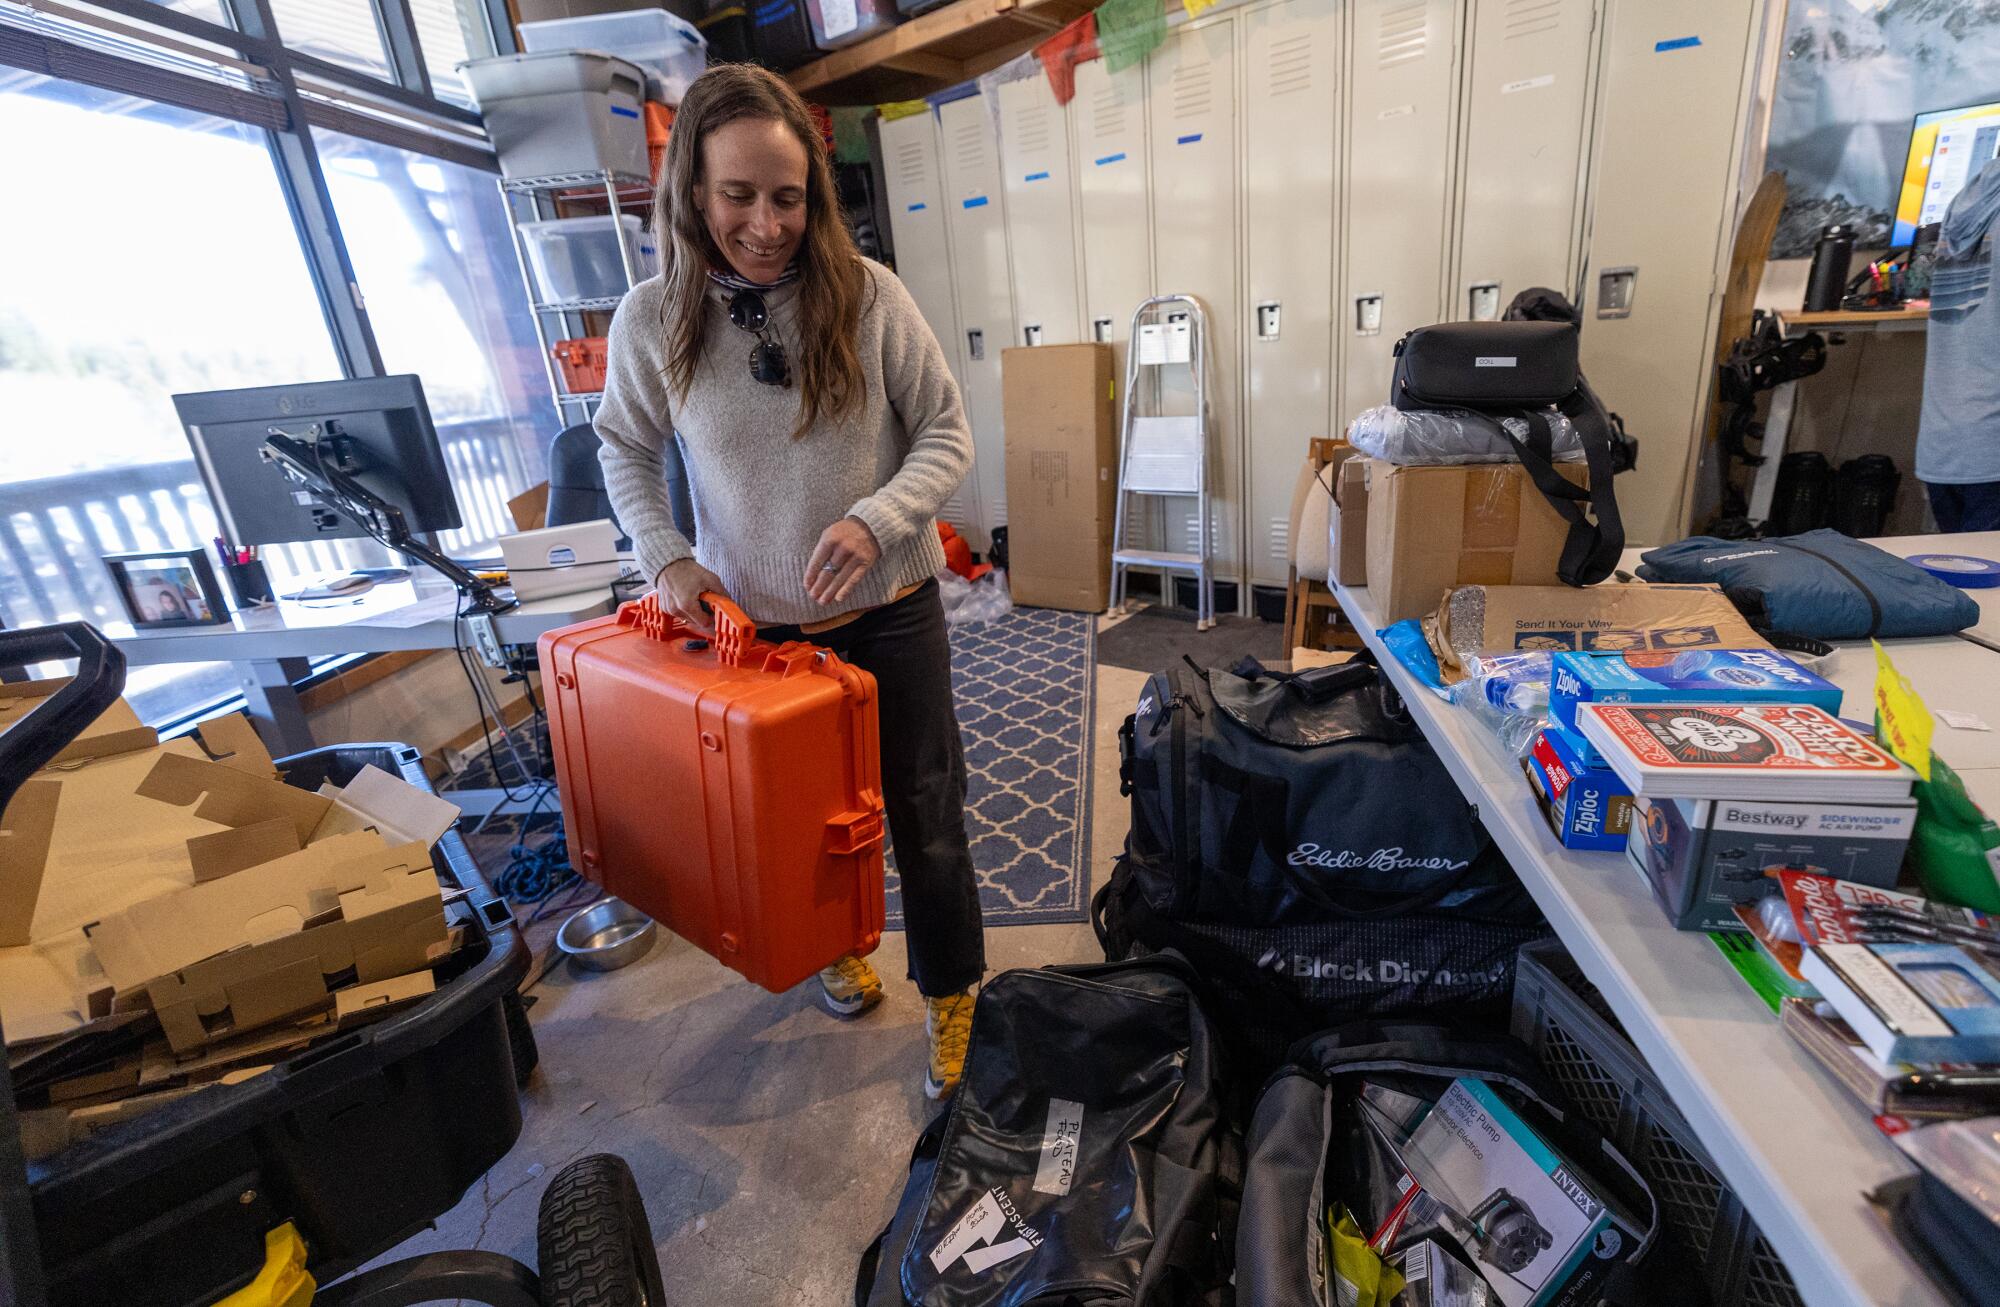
x=576, y=481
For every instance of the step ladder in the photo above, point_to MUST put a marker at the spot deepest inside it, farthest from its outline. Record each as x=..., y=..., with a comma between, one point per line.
x=1165, y=455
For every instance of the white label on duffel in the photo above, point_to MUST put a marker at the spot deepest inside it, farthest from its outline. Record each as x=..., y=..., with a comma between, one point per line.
x=1060, y=1137
x=1496, y=361
x=973, y=1237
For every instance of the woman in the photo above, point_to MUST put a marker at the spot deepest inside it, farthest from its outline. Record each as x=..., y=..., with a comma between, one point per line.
x=822, y=433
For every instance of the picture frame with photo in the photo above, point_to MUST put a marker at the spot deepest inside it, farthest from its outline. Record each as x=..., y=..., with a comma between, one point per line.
x=168, y=587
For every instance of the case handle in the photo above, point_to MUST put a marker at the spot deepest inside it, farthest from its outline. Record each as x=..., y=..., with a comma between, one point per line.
x=734, y=631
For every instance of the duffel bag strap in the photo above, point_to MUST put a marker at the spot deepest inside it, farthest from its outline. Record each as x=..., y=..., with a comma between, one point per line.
x=1258, y=823
x=1590, y=552
x=929, y=1143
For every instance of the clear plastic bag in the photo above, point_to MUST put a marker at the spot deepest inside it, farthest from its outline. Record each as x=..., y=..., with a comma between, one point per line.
x=1509, y=694
x=1446, y=436
x=984, y=600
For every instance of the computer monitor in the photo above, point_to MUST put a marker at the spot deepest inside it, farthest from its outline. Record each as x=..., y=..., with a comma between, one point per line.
x=390, y=445
x=1948, y=147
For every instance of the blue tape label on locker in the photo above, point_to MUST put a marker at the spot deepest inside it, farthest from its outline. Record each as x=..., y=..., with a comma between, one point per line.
x=1036, y=177
x=1189, y=139
x=1112, y=158
x=976, y=202
x=1682, y=43
x=919, y=207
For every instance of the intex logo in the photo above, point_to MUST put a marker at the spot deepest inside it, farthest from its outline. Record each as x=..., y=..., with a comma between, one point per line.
x=1575, y=1192
x=1312, y=855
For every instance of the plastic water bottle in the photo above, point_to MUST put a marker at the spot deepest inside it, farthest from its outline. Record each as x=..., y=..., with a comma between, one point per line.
x=1511, y=700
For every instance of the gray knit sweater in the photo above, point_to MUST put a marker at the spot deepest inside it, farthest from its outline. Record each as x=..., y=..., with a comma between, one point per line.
x=761, y=498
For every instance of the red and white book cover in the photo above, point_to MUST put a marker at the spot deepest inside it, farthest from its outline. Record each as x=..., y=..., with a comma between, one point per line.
x=1743, y=751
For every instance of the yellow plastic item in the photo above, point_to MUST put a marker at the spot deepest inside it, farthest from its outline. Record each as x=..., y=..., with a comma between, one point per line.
x=283, y=1282
x=1360, y=1276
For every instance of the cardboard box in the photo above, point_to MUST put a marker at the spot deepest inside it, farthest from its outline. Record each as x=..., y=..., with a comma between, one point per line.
x=1348, y=537
x=1542, y=1232
x=1702, y=857
x=1062, y=474
x=1586, y=806
x=116, y=730
x=1475, y=619
x=1432, y=528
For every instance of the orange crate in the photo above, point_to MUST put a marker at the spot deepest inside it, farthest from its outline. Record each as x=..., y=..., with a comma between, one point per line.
x=659, y=124
x=583, y=362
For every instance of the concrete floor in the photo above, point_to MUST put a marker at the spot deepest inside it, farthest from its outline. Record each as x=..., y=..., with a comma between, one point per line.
x=769, y=1139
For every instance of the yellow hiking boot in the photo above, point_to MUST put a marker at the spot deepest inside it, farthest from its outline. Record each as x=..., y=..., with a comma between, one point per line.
x=948, y=1022
x=850, y=987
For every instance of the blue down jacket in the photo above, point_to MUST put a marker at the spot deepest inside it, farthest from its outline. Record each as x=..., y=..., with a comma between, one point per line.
x=1821, y=584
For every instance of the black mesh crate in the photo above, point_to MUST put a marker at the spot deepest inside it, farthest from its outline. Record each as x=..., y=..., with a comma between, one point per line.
x=359, y=1141
x=1559, y=1015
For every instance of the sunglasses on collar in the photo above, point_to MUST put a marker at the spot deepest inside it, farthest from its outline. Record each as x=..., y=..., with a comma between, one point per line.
x=768, y=363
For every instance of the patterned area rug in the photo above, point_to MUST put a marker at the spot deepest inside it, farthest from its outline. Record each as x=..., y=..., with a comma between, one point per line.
x=1025, y=691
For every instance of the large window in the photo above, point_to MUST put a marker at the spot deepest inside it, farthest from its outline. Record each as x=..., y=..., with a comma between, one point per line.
x=182, y=274
x=459, y=322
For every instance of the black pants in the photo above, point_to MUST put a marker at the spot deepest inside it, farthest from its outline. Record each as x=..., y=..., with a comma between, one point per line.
x=903, y=645
x=1974, y=507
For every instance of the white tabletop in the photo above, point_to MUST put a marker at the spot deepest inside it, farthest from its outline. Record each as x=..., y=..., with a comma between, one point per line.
x=402, y=615
x=1977, y=544
x=1794, y=1146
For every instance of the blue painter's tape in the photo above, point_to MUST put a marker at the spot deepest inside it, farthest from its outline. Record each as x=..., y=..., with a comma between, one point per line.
x=1683, y=43
x=1112, y=158
x=919, y=207
x=976, y=202
x=1189, y=139
x=622, y=112
x=1036, y=177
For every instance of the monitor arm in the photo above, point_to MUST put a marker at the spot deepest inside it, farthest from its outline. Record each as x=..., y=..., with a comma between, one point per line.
x=313, y=459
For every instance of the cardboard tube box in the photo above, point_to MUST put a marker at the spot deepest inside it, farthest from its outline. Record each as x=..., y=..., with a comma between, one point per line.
x=1062, y=474
x=1432, y=528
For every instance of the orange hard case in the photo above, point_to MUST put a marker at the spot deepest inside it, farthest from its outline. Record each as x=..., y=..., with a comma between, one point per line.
x=726, y=786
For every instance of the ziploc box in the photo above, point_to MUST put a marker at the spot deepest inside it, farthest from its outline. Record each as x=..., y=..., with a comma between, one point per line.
x=1704, y=856
x=1586, y=804
x=1542, y=1233
x=1683, y=676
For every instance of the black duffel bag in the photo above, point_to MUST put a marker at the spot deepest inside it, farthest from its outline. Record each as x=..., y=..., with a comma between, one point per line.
x=1297, y=839
x=1310, y=1145
x=1528, y=370
x=1088, y=1159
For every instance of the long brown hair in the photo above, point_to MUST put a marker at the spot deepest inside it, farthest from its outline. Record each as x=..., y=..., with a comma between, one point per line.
x=830, y=272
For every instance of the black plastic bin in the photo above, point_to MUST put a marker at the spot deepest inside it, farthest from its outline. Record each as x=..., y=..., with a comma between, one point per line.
x=360, y=1141
x=781, y=36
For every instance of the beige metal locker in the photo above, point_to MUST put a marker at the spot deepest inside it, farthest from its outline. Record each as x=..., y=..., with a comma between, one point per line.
x=1041, y=214
x=1291, y=71
x=974, y=206
x=923, y=259
x=1108, y=119
x=1403, y=72
x=1674, y=96
x=1191, y=86
x=1525, y=128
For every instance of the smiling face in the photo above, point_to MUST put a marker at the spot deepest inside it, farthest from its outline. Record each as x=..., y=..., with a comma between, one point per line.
x=752, y=194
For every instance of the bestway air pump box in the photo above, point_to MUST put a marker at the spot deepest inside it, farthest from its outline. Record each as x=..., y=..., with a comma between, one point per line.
x=1541, y=1232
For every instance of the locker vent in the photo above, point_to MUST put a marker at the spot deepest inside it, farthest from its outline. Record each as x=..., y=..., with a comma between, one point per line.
x=1291, y=65
x=969, y=139
x=1405, y=36
x=998, y=517
x=1281, y=540
x=910, y=164
x=1194, y=89
x=1032, y=129
x=1531, y=17
x=1191, y=532
x=1107, y=112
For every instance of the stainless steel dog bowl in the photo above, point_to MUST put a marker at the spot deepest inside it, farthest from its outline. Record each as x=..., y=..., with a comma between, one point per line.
x=607, y=935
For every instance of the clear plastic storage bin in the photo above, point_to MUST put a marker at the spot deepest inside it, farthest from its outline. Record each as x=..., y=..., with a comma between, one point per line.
x=837, y=23
x=669, y=48
x=552, y=115
x=577, y=258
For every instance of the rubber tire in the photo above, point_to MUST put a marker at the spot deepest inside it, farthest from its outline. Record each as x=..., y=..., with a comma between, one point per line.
x=520, y=1040
x=593, y=1240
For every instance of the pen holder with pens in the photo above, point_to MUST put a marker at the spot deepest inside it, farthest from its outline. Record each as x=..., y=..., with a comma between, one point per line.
x=249, y=583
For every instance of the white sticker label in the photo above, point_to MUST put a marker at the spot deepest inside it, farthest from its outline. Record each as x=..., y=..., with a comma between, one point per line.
x=1906, y=1011
x=1395, y=111
x=1060, y=1137
x=1962, y=721
x=838, y=17
x=980, y=1225
x=1180, y=342
x=1153, y=343
x=1495, y=361
x=1529, y=84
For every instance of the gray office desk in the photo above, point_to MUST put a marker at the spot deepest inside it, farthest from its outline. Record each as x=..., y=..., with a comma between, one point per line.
x=270, y=646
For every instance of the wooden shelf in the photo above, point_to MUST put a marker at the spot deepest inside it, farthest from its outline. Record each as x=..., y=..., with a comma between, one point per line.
x=937, y=50
x=1907, y=319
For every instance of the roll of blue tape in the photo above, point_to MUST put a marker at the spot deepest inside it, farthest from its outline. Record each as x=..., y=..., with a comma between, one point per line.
x=1961, y=570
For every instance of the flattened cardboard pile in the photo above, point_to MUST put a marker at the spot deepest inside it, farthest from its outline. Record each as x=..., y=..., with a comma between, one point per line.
x=174, y=916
